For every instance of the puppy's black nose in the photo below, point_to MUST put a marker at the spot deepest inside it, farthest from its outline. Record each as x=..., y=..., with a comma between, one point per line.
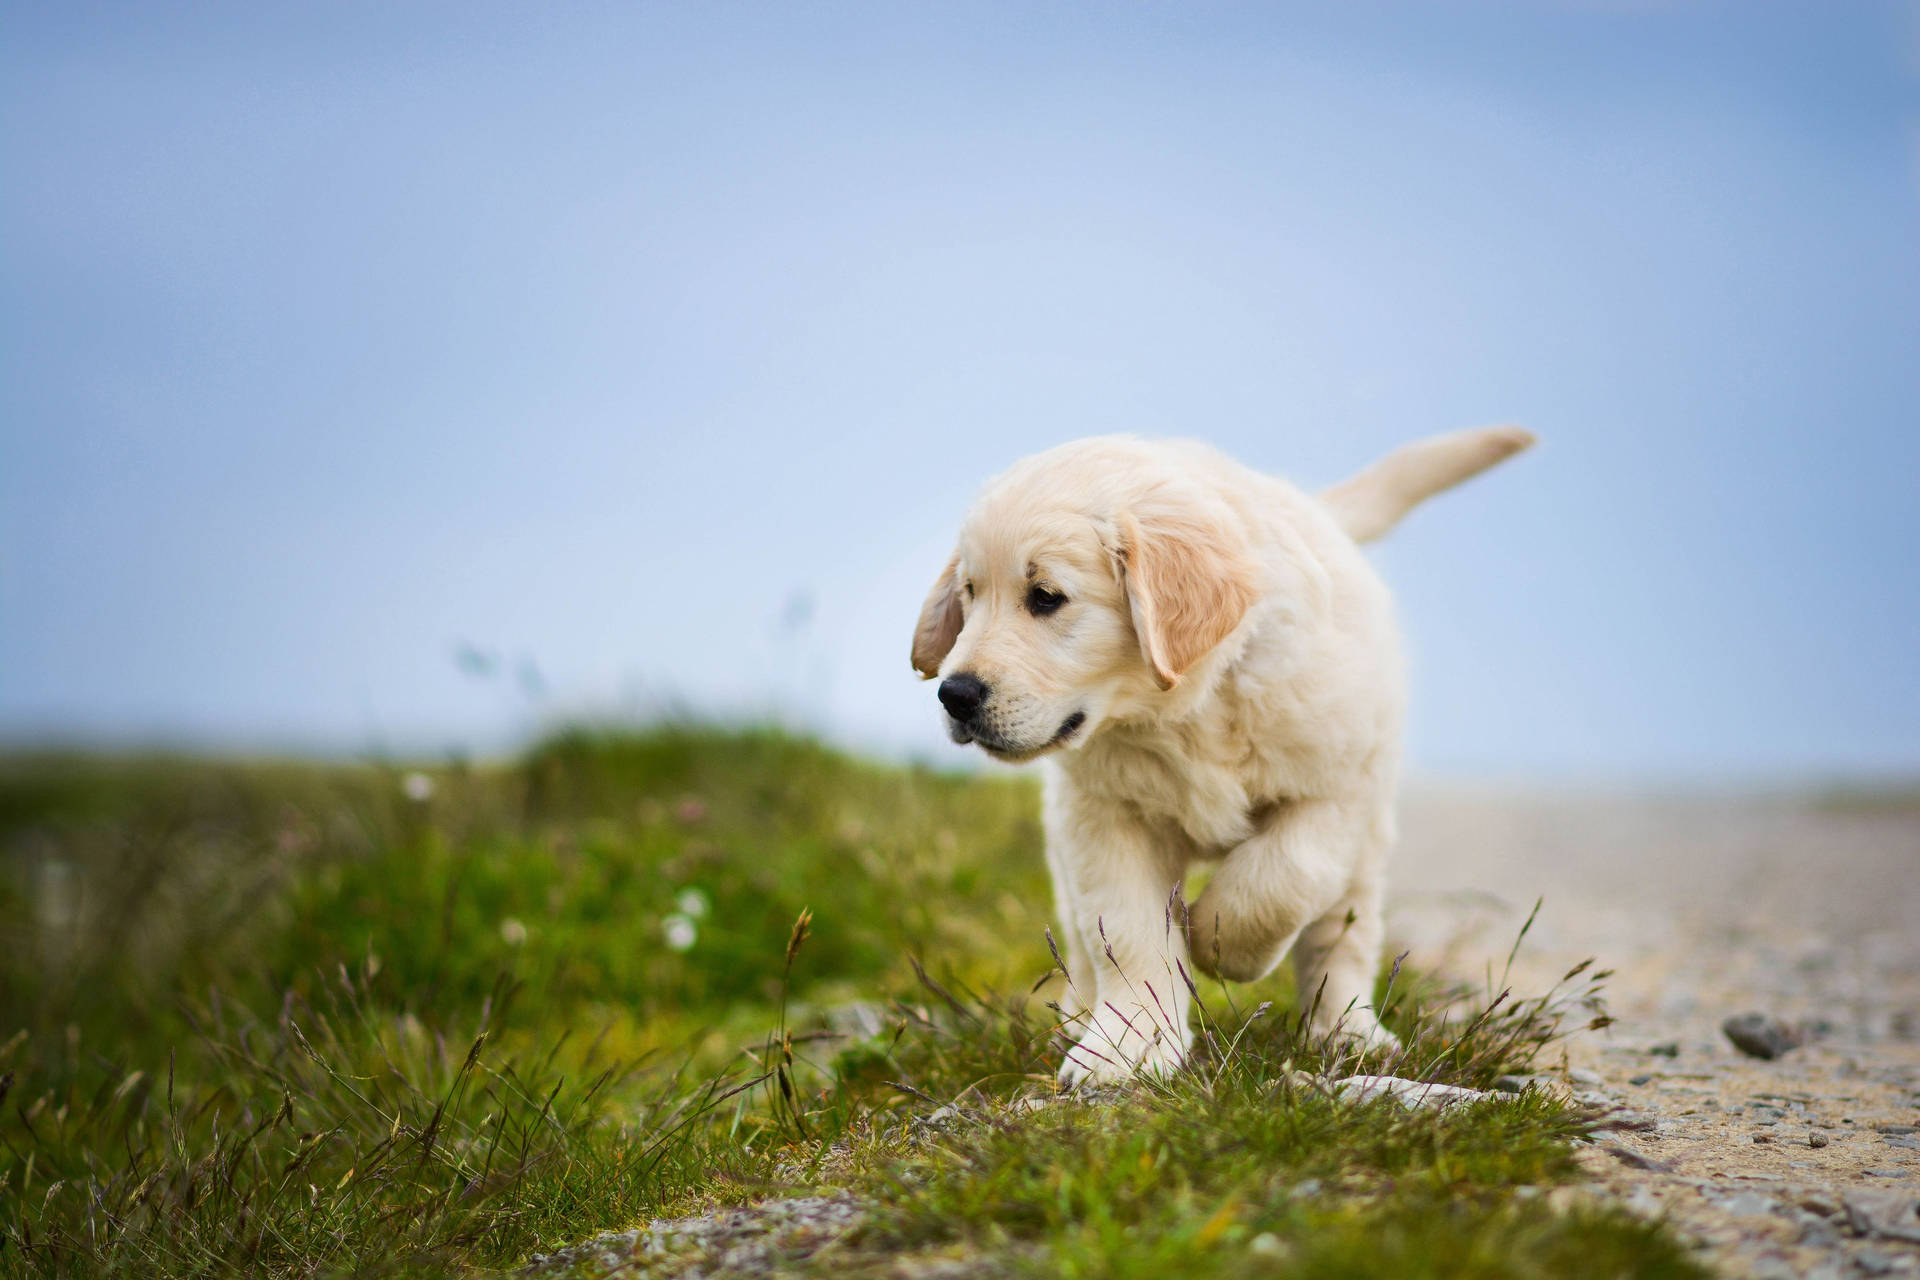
x=962, y=695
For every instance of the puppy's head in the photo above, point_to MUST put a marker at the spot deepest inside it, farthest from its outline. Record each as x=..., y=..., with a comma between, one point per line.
x=1087, y=582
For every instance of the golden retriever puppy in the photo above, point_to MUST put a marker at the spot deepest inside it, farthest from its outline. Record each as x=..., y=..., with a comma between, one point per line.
x=1210, y=667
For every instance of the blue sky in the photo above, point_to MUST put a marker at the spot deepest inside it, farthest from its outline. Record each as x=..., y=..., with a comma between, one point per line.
x=653, y=353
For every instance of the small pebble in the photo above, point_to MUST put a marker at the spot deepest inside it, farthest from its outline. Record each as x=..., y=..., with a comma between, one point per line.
x=1635, y=1159
x=1897, y=1129
x=1819, y=1202
x=1666, y=1049
x=1763, y=1137
x=1748, y=1204
x=1642, y=1078
x=1873, y=1263
x=1815, y=1138
x=1758, y=1036
x=1580, y=1075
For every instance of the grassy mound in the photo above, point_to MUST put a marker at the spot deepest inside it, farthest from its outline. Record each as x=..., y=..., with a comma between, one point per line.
x=300, y=1020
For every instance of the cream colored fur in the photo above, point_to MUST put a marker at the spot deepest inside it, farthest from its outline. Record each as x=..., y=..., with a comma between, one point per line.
x=1222, y=684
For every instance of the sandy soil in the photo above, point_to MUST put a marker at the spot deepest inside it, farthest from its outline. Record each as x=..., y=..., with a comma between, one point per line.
x=1809, y=913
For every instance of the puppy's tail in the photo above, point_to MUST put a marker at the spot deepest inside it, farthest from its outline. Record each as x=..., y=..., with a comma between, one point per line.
x=1369, y=504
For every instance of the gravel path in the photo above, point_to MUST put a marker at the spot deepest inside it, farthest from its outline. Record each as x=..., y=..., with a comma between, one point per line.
x=1807, y=1164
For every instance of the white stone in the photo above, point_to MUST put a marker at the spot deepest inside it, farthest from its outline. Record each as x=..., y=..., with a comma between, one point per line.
x=1412, y=1093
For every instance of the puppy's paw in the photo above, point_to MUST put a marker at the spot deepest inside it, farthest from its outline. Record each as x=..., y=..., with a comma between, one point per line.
x=1360, y=1031
x=1095, y=1062
x=1114, y=1050
x=1221, y=946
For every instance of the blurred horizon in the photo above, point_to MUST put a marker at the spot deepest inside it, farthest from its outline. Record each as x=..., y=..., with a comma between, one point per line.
x=404, y=380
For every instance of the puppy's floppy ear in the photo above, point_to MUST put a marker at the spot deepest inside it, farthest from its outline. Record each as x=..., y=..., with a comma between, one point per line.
x=940, y=621
x=1187, y=587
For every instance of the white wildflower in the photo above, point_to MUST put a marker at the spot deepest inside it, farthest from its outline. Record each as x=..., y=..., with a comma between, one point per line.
x=693, y=904
x=512, y=932
x=679, y=931
x=418, y=786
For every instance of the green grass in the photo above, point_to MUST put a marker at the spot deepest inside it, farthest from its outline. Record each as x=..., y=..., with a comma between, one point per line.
x=283, y=1020
x=1233, y=1171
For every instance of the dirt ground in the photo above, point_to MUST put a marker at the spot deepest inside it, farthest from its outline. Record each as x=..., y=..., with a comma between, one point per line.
x=1808, y=912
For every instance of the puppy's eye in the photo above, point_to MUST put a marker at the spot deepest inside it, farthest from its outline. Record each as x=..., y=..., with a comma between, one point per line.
x=969, y=590
x=1042, y=601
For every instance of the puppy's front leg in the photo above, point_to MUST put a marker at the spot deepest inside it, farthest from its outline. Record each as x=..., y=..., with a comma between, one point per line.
x=1311, y=865
x=1116, y=888
x=1072, y=949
